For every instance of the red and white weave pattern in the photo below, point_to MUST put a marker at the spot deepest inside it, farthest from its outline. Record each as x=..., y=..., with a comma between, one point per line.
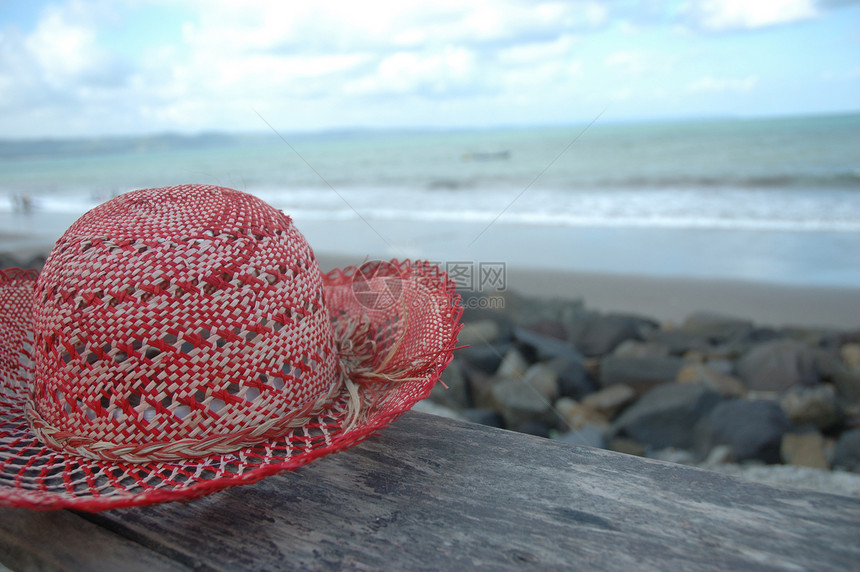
x=184, y=341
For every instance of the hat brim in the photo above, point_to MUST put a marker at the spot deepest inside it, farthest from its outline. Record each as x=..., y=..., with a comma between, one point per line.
x=416, y=322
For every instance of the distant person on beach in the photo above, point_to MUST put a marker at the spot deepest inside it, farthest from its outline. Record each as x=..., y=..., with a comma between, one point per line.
x=22, y=203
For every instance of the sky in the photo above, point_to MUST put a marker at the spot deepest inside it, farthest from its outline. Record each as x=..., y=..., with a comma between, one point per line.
x=98, y=67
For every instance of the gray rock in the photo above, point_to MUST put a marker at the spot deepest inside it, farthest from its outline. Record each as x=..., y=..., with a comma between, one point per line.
x=588, y=436
x=481, y=332
x=427, y=406
x=717, y=328
x=550, y=328
x=536, y=428
x=610, y=400
x=846, y=454
x=847, y=382
x=484, y=358
x=815, y=406
x=484, y=417
x=815, y=338
x=525, y=310
x=513, y=365
x=753, y=429
x=544, y=379
x=457, y=395
x=604, y=333
x=777, y=366
x=679, y=342
x=576, y=321
x=666, y=415
x=572, y=377
x=637, y=349
x=724, y=384
x=639, y=373
x=537, y=347
x=519, y=402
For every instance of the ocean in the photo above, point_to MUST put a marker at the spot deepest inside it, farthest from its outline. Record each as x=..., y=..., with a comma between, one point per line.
x=774, y=199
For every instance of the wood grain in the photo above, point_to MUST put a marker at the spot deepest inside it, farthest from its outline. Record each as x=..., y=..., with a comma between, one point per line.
x=431, y=493
x=60, y=540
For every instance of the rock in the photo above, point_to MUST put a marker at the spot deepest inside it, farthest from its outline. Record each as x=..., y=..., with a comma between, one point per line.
x=576, y=416
x=604, y=333
x=478, y=306
x=480, y=332
x=725, y=385
x=719, y=455
x=777, y=366
x=639, y=373
x=815, y=338
x=637, y=349
x=519, y=402
x=571, y=376
x=753, y=429
x=679, y=342
x=846, y=454
x=536, y=428
x=484, y=417
x=513, y=365
x=850, y=353
x=666, y=415
x=804, y=450
x=717, y=328
x=544, y=379
x=576, y=322
x=827, y=362
x=484, y=358
x=847, y=382
x=524, y=310
x=588, y=436
x=457, y=395
x=626, y=446
x=815, y=406
x=609, y=401
x=427, y=406
x=537, y=347
x=548, y=328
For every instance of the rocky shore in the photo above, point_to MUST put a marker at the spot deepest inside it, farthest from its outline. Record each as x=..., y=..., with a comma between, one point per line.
x=714, y=391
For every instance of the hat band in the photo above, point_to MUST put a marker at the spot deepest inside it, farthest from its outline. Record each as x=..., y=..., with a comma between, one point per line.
x=175, y=450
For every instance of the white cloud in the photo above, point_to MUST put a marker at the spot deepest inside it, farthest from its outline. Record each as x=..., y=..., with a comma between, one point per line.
x=713, y=84
x=628, y=61
x=91, y=65
x=432, y=73
x=719, y=15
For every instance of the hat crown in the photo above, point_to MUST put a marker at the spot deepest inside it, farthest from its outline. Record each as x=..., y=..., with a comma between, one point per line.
x=190, y=317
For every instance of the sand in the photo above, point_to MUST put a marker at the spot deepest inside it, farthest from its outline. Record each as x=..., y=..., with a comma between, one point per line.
x=672, y=299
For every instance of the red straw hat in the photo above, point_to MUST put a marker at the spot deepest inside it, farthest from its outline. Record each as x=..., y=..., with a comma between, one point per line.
x=182, y=340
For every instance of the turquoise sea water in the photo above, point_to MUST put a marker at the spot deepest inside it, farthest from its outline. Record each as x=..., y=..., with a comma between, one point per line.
x=785, y=191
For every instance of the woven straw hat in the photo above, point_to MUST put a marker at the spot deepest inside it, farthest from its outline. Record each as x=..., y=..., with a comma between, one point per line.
x=182, y=340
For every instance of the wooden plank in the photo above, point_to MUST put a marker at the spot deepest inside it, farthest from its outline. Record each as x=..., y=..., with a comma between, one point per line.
x=431, y=493
x=60, y=540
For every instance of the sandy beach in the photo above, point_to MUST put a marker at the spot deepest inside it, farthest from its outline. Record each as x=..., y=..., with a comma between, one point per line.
x=673, y=299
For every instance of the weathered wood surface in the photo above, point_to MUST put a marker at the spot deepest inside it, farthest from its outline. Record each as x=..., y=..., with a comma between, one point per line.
x=430, y=493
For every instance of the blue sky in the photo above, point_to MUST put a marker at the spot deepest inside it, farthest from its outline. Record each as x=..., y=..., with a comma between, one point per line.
x=98, y=67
